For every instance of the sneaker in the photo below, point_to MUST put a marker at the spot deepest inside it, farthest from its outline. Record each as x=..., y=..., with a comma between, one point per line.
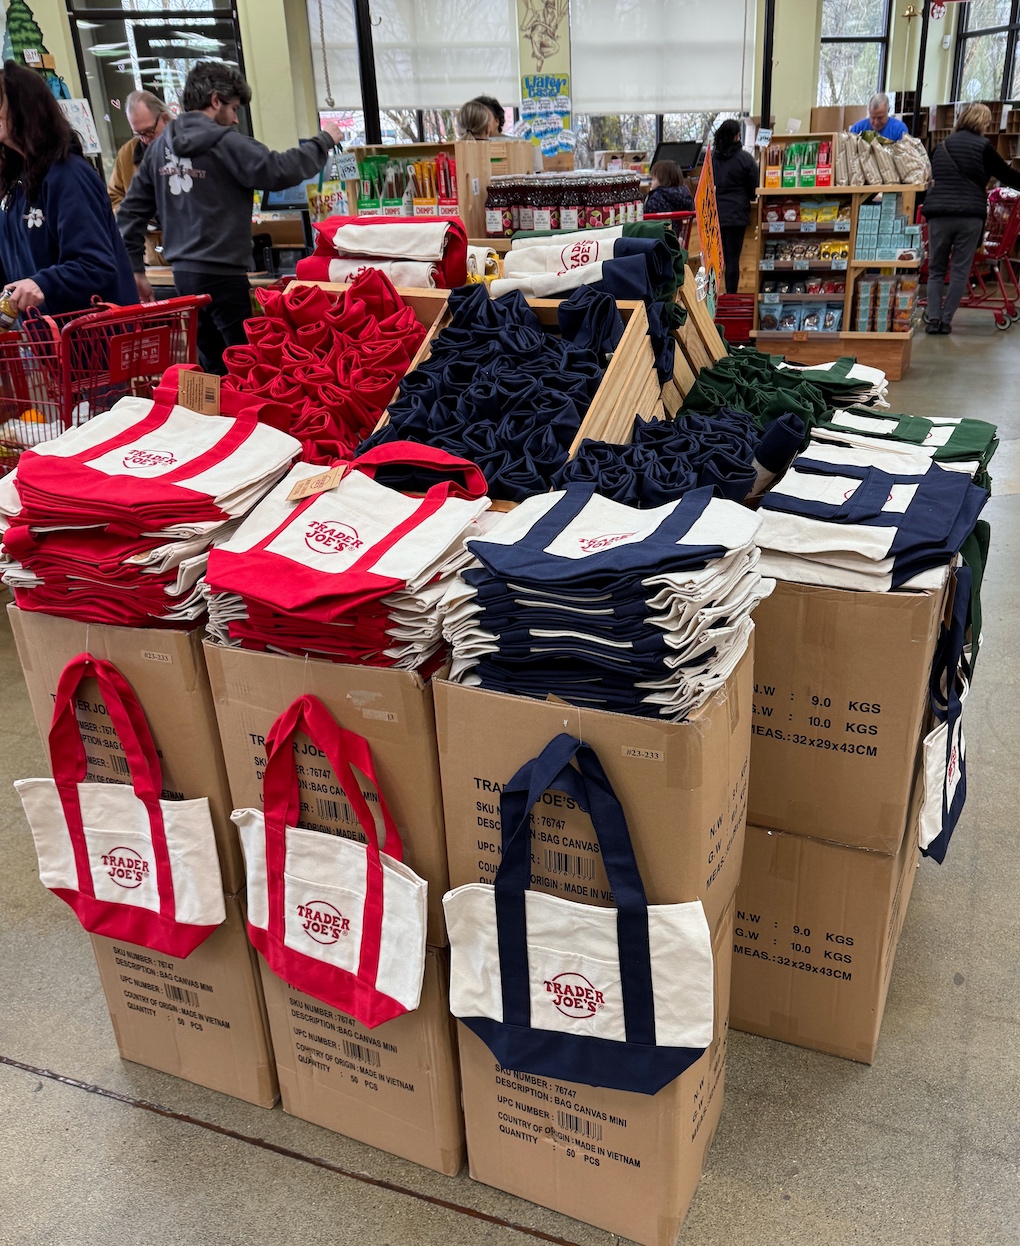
x=934, y=326
x=945, y=326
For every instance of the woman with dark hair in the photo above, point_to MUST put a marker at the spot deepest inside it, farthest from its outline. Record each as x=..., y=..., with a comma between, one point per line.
x=735, y=173
x=59, y=244
x=496, y=108
x=668, y=193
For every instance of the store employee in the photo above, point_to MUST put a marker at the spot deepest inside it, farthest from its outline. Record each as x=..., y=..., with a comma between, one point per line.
x=878, y=119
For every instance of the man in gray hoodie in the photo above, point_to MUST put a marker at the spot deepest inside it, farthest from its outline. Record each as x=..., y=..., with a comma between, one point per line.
x=198, y=177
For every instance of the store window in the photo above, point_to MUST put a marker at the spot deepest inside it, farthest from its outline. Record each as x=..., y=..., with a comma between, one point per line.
x=986, y=51
x=855, y=48
x=151, y=48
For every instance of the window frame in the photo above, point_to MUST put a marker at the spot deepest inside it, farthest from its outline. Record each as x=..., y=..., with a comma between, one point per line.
x=1011, y=30
x=882, y=41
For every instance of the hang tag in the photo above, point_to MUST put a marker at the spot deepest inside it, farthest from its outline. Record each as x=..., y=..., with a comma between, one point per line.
x=346, y=167
x=199, y=391
x=318, y=484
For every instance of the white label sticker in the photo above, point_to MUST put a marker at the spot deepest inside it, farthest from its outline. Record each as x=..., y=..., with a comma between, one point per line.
x=383, y=716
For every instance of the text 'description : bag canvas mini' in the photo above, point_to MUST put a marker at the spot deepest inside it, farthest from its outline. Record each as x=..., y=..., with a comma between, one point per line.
x=621, y=998
x=132, y=866
x=340, y=920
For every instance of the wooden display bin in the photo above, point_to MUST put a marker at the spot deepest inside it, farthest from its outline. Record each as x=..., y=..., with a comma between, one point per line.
x=477, y=164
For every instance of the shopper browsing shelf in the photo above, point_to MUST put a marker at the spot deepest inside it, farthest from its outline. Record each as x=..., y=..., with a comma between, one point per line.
x=668, y=193
x=477, y=120
x=879, y=122
x=955, y=209
x=736, y=183
x=59, y=245
x=147, y=115
x=198, y=177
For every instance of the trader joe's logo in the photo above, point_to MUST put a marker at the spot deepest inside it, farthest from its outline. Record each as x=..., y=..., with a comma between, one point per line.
x=574, y=996
x=126, y=867
x=324, y=536
x=149, y=458
x=591, y=544
x=323, y=923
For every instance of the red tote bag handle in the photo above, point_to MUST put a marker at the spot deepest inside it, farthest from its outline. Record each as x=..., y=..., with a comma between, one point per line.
x=69, y=764
x=467, y=480
x=281, y=801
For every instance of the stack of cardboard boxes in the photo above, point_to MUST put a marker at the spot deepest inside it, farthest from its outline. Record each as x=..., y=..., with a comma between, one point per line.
x=840, y=703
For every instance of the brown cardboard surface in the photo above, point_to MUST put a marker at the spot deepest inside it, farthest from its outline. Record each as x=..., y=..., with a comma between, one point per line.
x=624, y=1162
x=391, y=709
x=167, y=672
x=201, y=1018
x=840, y=697
x=683, y=789
x=395, y=1087
x=816, y=931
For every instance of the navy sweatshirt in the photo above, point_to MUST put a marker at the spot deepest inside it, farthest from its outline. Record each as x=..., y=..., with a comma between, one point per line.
x=67, y=242
x=198, y=178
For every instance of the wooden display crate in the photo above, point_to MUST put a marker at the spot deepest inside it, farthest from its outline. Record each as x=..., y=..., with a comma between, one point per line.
x=477, y=164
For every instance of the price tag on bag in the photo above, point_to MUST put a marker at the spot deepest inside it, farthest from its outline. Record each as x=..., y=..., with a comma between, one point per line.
x=767, y=266
x=771, y=298
x=318, y=484
x=809, y=227
x=199, y=391
x=841, y=227
x=777, y=227
x=839, y=265
x=801, y=266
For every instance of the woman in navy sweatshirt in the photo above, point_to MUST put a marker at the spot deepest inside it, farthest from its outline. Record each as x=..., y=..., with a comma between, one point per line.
x=59, y=244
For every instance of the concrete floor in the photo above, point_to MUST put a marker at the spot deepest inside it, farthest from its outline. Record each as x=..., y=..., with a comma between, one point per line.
x=919, y=1150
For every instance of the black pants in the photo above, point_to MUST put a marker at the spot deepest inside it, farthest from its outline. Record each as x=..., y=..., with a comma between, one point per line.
x=956, y=238
x=732, y=245
x=220, y=324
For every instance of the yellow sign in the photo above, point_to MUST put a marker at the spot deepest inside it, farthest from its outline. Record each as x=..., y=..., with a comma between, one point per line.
x=543, y=42
x=709, y=237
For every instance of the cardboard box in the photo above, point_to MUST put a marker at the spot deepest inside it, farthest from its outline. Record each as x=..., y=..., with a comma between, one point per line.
x=816, y=933
x=391, y=709
x=201, y=1018
x=841, y=692
x=167, y=672
x=624, y=1162
x=396, y=1087
x=682, y=787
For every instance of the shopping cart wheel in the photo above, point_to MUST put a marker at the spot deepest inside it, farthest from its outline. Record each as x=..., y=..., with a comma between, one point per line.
x=924, y=317
x=1002, y=321
x=1014, y=315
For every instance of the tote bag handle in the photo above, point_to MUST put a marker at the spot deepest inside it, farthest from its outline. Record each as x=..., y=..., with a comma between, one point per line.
x=281, y=805
x=69, y=764
x=466, y=480
x=591, y=789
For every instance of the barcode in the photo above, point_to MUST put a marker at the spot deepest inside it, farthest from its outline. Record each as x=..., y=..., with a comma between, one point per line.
x=365, y=1054
x=327, y=809
x=569, y=863
x=209, y=395
x=119, y=764
x=579, y=1125
x=180, y=996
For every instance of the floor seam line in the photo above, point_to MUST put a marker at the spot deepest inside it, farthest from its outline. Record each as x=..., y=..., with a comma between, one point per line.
x=285, y=1152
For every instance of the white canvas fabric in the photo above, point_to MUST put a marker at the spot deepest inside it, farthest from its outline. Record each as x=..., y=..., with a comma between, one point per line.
x=941, y=778
x=423, y=240
x=406, y=274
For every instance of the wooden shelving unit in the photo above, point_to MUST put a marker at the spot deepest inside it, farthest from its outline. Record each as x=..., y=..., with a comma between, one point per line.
x=888, y=351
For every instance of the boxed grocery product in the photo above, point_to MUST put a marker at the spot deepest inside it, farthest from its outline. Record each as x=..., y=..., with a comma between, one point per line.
x=838, y=712
x=395, y=1087
x=625, y=1162
x=392, y=709
x=201, y=1017
x=817, y=926
x=682, y=787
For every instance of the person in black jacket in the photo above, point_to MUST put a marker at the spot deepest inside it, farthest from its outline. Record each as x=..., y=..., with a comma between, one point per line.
x=668, y=193
x=736, y=183
x=956, y=207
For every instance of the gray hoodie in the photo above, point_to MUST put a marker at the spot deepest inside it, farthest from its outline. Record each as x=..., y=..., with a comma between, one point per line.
x=197, y=179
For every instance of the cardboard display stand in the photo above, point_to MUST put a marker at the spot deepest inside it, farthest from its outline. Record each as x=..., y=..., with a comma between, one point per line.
x=628, y=1163
x=395, y=1087
x=840, y=700
x=201, y=1018
x=682, y=787
x=391, y=709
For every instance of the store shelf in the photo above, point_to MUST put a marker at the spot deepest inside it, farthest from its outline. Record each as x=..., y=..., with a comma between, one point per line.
x=836, y=190
x=801, y=298
x=842, y=335
x=813, y=266
x=885, y=263
x=798, y=230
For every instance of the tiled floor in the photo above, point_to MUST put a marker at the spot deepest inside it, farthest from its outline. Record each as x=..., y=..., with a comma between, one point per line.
x=919, y=1150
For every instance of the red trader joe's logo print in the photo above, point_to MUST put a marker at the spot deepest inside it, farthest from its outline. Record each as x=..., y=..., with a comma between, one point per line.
x=149, y=458
x=951, y=768
x=323, y=923
x=592, y=543
x=325, y=536
x=126, y=867
x=578, y=254
x=574, y=996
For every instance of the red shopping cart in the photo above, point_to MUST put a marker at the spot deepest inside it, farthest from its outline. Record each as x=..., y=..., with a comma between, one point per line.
x=681, y=222
x=993, y=282
x=58, y=371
